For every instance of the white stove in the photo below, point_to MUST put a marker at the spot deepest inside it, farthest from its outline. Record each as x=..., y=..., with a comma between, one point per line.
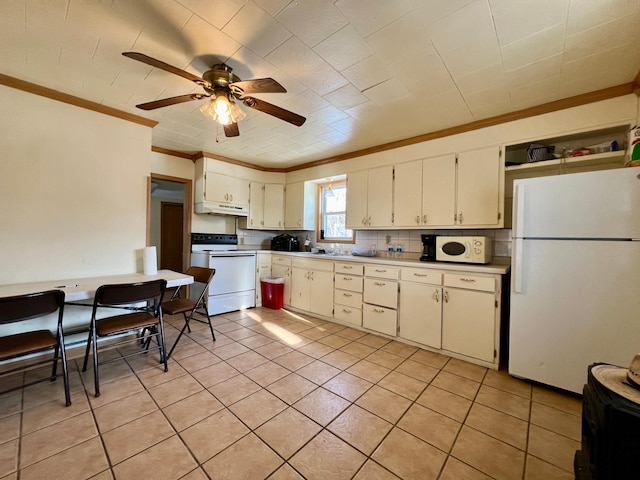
x=234, y=284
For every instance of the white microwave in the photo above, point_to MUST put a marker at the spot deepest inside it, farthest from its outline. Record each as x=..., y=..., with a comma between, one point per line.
x=464, y=249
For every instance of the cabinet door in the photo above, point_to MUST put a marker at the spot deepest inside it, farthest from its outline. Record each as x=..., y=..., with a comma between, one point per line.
x=300, y=291
x=357, y=199
x=321, y=293
x=468, y=323
x=273, y=205
x=283, y=271
x=439, y=190
x=256, y=205
x=479, y=187
x=294, y=205
x=383, y=320
x=217, y=187
x=238, y=191
x=421, y=313
x=407, y=194
x=379, y=197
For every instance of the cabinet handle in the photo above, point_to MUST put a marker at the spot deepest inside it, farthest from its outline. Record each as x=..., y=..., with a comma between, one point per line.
x=418, y=219
x=380, y=284
x=420, y=274
x=377, y=310
x=424, y=219
x=346, y=294
x=445, y=295
x=436, y=296
x=345, y=310
x=460, y=217
x=347, y=279
x=380, y=270
x=468, y=280
x=311, y=273
x=369, y=221
x=347, y=267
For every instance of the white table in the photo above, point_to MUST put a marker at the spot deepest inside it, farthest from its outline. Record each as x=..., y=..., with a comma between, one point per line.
x=80, y=291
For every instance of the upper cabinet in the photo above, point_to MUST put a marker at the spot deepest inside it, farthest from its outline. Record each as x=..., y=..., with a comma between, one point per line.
x=462, y=190
x=266, y=206
x=219, y=193
x=299, y=209
x=369, y=194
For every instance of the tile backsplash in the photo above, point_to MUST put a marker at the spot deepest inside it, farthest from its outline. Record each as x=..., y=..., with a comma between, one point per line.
x=409, y=239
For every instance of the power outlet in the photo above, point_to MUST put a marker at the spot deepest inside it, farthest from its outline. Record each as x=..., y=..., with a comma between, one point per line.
x=387, y=239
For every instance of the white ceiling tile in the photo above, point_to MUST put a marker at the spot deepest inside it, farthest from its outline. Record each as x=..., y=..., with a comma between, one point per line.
x=307, y=101
x=463, y=61
x=368, y=72
x=467, y=26
x=322, y=79
x=431, y=11
x=388, y=92
x=491, y=110
x=423, y=70
x=333, y=137
x=534, y=47
x=482, y=79
x=329, y=114
x=369, y=16
x=532, y=73
x=217, y=13
x=312, y=21
x=346, y=97
x=205, y=39
x=407, y=34
x=484, y=98
x=547, y=89
x=585, y=14
x=256, y=29
x=365, y=111
x=620, y=63
x=333, y=48
x=517, y=20
x=294, y=57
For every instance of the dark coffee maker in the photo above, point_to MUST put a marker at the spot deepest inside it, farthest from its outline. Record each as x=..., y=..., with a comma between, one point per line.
x=428, y=248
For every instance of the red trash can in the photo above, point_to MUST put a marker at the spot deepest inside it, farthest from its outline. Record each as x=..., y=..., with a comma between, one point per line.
x=272, y=292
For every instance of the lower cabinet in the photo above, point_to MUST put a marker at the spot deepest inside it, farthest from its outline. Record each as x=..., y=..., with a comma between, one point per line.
x=470, y=316
x=281, y=267
x=347, y=294
x=263, y=269
x=421, y=306
x=312, y=286
x=379, y=311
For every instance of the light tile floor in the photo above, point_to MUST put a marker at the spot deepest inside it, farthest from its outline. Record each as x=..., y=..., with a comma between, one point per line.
x=286, y=396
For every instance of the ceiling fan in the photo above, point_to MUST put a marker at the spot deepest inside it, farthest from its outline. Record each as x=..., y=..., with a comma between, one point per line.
x=220, y=84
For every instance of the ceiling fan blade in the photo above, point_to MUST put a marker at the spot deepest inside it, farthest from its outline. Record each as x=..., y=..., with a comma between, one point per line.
x=165, y=102
x=141, y=57
x=259, y=85
x=277, y=112
x=231, y=130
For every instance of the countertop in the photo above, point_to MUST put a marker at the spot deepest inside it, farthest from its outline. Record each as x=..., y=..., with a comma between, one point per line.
x=499, y=265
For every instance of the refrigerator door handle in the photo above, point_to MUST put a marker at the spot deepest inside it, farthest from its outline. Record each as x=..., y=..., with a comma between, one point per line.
x=517, y=264
x=518, y=210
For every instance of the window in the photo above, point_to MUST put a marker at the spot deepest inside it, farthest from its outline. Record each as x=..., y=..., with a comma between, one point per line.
x=332, y=213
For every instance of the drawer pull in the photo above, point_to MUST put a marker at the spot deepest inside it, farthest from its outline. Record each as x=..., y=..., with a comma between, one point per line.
x=379, y=284
x=420, y=274
x=377, y=310
x=469, y=280
x=380, y=270
x=347, y=278
x=347, y=267
x=345, y=310
x=344, y=294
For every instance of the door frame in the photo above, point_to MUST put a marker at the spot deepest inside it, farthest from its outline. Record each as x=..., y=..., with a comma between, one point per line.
x=188, y=211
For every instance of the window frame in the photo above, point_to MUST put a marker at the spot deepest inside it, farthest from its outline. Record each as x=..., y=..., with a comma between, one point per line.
x=320, y=215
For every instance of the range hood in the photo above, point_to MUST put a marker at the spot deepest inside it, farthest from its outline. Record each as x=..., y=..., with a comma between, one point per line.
x=218, y=208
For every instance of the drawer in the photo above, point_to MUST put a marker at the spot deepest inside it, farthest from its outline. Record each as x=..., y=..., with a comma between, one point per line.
x=351, y=299
x=421, y=275
x=380, y=271
x=470, y=282
x=381, y=292
x=280, y=260
x=380, y=319
x=319, y=265
x=348, y=314
x=350, y=268
x=348, y=282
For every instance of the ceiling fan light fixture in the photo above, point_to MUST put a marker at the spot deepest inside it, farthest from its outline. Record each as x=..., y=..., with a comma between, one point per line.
x=222, y=110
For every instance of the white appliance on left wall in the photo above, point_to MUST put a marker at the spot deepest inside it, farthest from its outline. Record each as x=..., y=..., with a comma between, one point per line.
x=575, y=275
x=234, y=284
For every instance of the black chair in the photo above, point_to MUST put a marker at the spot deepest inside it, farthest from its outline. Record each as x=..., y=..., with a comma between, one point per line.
x=140, y=318
x=188, y=307
x=24, y=307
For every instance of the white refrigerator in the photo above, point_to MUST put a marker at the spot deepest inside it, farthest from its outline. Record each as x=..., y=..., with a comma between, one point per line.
x=575, y=275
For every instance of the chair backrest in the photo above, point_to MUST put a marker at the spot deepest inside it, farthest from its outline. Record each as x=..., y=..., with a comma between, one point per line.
x=127, y=293
x=31, y=305
x=201, y=274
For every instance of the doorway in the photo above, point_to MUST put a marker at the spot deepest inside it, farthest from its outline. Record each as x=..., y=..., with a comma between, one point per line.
x=169, y=221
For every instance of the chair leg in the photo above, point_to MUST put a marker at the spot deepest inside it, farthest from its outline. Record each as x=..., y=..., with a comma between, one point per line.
x=163, y=345
x=86, y=352
x=185, y=326
x=65, y=370
x=54, y=369
x=94, y=344
x=206, y=311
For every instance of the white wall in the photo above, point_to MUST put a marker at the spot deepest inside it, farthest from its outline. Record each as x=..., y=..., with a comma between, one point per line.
x=73, y=187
